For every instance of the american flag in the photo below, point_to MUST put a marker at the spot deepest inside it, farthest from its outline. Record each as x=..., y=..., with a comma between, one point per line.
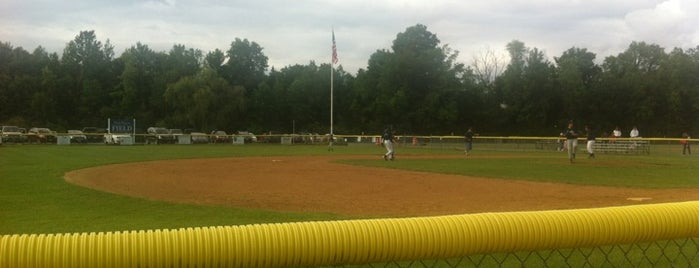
x=334, y=50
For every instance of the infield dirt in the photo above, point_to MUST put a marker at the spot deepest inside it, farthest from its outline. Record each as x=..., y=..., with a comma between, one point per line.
x=317, y=184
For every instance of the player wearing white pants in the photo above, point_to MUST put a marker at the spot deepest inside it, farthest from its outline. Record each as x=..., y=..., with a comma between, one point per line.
x=590, y=142
x=590, y=146
x=389, y=149
x=388, y=143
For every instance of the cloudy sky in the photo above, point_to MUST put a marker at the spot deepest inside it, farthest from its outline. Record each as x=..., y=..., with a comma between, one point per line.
x=297, y=32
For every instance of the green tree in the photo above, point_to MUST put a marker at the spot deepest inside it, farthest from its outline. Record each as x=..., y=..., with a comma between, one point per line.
x=509, y=86
x=527, y=91
x=298, y=97
x=246, y=64
x=87, y=63
x=681, y=69
x=50, y=96
x=266, y=107
x=577, y=75
x=634, y=88
x=542, y=110
x=182, y=62
x=365, y=104
x=20, y=86
x=214, y=60
x=11, y=95
x=139, y=94
x=417, y=86
x=42, y=106
x=413, y=83
x=205, y=102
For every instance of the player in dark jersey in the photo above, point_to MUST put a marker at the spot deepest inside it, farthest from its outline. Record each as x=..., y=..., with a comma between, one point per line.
x=571, y=141
x=468, y=140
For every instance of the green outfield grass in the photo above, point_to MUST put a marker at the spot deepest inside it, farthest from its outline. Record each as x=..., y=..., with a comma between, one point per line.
x=639, y=171
x=34, y=198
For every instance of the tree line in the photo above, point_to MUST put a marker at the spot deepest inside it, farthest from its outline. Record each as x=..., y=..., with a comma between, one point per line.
x=416, y=87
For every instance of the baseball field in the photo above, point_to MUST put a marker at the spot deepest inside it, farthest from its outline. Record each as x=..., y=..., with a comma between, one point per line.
x=93, y=188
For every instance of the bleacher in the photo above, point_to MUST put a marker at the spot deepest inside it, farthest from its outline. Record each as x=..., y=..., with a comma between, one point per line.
x=549, y=145
x=622, y=146
x=604, y=146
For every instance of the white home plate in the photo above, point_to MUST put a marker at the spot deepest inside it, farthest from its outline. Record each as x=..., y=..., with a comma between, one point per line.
x=638, y=198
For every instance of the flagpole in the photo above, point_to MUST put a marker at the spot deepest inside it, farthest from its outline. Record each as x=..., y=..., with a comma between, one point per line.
x=331, y=106
x=333, y=59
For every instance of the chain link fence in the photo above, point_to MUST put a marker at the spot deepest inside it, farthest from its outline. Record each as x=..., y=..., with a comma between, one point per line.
x=485, y=143
x=628, y=146
x=666, y=253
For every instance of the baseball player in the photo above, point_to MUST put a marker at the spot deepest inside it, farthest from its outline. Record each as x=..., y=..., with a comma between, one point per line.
x=468, y=140
x=571, y=141
x=388, y=143
x=591, y=139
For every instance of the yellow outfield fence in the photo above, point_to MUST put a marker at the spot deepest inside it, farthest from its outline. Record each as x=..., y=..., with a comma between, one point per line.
x=329, y=243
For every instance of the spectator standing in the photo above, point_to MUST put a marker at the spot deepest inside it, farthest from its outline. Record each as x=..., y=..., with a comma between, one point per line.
x=634, y=133
x=616, y=133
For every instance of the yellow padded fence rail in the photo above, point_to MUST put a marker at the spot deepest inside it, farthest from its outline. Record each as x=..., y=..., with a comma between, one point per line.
x=354, y=241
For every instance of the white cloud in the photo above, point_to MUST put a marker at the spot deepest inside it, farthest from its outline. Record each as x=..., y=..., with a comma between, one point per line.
x=299, y=32
x=670, y=23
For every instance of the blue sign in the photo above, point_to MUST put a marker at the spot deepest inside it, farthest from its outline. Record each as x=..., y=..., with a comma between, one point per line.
x=121, y=126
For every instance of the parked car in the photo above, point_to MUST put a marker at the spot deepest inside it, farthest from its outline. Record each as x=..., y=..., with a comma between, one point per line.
x=199, y=138
x=220, y=136
x=118, y=138
x=41, y=135
x=77, y=136
x=176, y=132
x=23, y=138
x=159, y=135
x=248, y=136
x=12, y=134
x=94, y=134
